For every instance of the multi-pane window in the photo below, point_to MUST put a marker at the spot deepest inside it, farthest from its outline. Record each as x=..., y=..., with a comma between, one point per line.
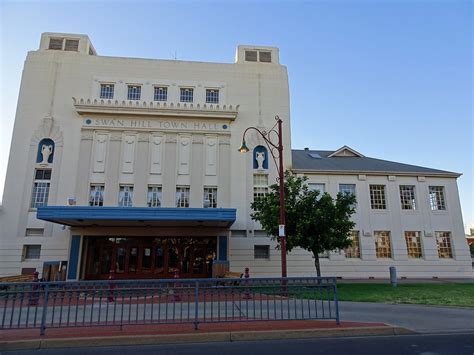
x=437, y=199
x=31, y=251
x=134, y=92
x=317, y=186
x=96, y=195
x=265, y=57
x=383, y=246
x=212, y=96
x=126, y=196
x=72, y=45
x=347, y=189
x=160, y=93
x=443, y=241
x=251, y=56
x=56, y=43
x=377, y=197
x=261, y=252
x=210, y=197
x=154, y=196
x=260, y=185
x=186, y=94
x=407, y=197
x=413, y=241
x=354, y=250
x=106, y=91
x=182, y=196
x=40, y=194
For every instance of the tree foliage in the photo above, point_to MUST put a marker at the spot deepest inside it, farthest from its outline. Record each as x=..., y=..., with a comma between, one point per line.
x=315, y=222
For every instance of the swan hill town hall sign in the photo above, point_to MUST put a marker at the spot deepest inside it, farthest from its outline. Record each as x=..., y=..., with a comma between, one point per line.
x=156, y=124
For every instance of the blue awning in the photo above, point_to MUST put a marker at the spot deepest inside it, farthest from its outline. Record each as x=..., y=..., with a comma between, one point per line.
x=80, y=216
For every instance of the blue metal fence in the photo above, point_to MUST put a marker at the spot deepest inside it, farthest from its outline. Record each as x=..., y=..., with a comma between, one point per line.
x=45, y=305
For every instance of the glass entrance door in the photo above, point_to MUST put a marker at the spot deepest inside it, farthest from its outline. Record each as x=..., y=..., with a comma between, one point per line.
x=139, y=258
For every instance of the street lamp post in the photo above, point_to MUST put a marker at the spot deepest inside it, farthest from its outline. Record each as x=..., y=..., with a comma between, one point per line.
x=272, y=146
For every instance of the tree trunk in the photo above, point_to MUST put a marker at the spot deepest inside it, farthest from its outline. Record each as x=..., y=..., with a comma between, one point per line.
x=316, y=264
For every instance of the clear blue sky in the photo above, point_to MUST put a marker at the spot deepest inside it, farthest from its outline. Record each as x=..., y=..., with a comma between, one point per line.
x=392, y=79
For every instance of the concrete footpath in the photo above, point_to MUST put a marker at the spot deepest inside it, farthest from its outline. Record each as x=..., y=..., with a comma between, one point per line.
x=419, y=318
x=184, y=333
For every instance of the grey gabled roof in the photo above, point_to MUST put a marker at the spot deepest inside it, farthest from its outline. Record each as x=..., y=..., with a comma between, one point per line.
x=308, y=161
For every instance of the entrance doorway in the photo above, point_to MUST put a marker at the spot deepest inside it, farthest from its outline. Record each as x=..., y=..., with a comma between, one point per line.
x=144, y=257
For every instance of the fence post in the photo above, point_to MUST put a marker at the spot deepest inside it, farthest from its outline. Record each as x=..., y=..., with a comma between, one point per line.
x=196, y=305
x=45, y=309
x=336, y=300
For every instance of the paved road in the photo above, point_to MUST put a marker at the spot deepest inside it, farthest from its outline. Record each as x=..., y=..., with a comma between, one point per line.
x=458, y=344
x=425, y=319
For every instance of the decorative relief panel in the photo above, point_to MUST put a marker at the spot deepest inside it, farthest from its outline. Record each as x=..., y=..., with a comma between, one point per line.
x=143, y=137
x=128, y=156
x=100, y=151
x=184, y=155
x=156, y=151
x=224, y=140
x=211, y=155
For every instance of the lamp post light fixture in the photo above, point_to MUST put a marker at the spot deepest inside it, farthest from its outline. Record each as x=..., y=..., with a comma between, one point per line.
x=276, y=150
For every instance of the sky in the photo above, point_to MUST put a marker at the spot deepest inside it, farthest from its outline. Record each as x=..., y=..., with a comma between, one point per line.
x=391, y=79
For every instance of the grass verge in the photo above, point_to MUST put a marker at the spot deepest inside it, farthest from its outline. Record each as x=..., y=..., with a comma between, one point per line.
x=459, y=294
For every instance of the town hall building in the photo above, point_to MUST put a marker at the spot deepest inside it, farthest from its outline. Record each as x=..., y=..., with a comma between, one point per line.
x=131, y=166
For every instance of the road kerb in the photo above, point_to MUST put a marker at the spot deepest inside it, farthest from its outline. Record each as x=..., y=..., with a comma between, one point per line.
x=317, y=333
x=226, y=336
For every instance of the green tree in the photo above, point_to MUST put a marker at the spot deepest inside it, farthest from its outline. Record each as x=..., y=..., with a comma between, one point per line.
x=315, y=222
x=471, y=248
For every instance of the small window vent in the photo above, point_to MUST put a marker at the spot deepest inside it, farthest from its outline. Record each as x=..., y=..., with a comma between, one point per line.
x=72, y=45
x=56, y=43
x=34, y=232
x=314, y=155
x=265, y=57
x=251, y=56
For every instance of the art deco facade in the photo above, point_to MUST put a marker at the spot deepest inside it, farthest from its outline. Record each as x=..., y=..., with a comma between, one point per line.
x=131, y=165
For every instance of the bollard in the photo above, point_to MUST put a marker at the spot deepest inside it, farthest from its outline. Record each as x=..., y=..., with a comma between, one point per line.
x=393, y=276
x=110, y=298
x=247, y=295
x=34, y=296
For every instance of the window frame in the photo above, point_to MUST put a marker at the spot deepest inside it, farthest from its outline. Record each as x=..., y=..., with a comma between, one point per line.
x=448, y=236
x=127, y=199
x=183, y=191
x=212, y=99
x=266, y=253
x=354, y=251
x=182, y=96
x=414, y=252
x=151, y=202
x=259, y=189
x=379, y=252
x=410, y=200
x=41, y=187
x=382, y=197
x=156, y=90
x=26, y=250
x=93, y=201
x=431, y=200
x=134, y=95
x=105, y=96
x=210, y=191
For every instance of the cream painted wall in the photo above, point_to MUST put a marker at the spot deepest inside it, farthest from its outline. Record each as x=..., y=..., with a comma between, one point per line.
x=46, y=109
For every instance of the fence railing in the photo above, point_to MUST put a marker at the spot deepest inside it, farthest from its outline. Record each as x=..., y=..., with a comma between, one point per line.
x=45, y=305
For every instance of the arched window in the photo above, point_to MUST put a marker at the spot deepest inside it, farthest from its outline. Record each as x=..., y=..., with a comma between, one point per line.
x=45, y=154
x=260, y=157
